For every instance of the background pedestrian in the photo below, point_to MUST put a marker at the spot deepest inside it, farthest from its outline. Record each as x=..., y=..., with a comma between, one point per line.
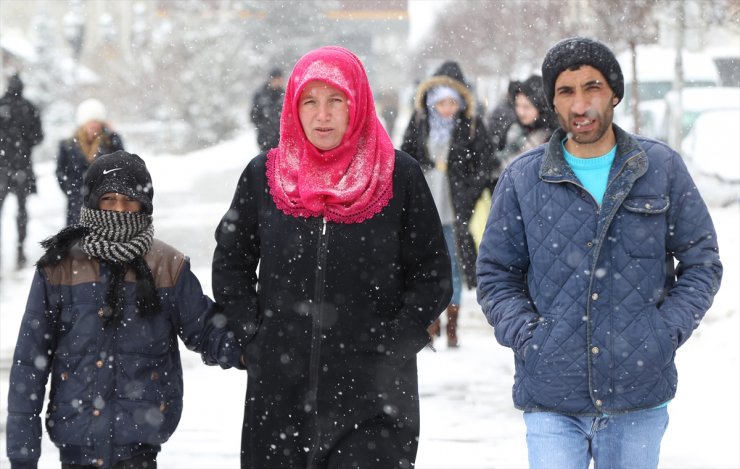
x=20, y=131
x=92, y=137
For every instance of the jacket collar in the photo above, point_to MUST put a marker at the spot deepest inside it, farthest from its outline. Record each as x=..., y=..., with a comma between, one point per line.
x=630, y=156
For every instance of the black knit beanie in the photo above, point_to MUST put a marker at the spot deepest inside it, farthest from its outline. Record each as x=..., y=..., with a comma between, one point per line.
x=121, y=172
x=576, y=51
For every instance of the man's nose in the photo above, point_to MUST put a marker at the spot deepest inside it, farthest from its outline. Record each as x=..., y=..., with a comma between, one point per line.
x=580, y=103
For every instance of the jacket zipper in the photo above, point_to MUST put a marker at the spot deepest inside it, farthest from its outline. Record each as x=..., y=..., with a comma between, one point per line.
x=589, y=301
x=314, y=363
x=589, y=333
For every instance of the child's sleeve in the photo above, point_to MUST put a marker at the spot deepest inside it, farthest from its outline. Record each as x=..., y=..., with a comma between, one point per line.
x=29, y=373
x=200, y=324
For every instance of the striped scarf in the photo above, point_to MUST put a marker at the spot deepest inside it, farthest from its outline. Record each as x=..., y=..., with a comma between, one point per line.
x=118, y=240
x=116, y=236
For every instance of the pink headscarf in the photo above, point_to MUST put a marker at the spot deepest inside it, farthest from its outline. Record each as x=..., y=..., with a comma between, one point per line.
x=349, y=183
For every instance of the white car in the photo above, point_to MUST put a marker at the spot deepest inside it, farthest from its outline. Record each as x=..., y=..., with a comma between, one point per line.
x=694, y=102
x=712, y=153
x=656, y=72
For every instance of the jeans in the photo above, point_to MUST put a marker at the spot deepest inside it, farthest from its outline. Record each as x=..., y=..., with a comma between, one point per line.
x=456, y=279
x=630, y=440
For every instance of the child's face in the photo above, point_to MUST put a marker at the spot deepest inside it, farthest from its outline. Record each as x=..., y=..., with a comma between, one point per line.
x=115, y=202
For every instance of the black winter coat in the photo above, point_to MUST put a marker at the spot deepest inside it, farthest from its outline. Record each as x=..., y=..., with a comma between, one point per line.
x=20, y=131
x=469, y=163
x=332, y=324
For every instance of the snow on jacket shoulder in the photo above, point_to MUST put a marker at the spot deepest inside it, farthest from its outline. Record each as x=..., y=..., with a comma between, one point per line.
x=587, y=296
x=116, y=390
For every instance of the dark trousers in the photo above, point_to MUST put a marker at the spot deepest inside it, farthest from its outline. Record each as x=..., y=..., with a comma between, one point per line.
x=22, y=218
x=142, y=461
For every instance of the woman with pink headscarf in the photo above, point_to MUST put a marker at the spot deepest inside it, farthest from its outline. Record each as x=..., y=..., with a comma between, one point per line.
x=353, y=268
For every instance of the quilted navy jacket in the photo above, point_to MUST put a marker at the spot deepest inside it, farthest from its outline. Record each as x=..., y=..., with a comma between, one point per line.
x=116, y=391
x=586, y=296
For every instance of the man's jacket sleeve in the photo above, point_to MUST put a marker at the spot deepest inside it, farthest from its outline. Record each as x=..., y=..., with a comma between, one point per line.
x=692, y=241
x=502, y=265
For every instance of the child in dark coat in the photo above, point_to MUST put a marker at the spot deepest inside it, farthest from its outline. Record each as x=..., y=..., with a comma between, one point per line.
x=107, y=304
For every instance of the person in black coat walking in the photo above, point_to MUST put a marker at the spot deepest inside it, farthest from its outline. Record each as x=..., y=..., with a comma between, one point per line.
x=353, y=268
x=92, y=137
x=266, y=108
x=455, y=150
x=20, y=131
x=535, y=121
x=503, y=116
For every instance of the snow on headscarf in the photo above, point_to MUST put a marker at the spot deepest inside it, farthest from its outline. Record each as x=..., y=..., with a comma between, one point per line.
x=349, y=183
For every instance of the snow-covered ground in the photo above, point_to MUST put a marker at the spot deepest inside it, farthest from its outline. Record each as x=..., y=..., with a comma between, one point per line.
x=468, y=420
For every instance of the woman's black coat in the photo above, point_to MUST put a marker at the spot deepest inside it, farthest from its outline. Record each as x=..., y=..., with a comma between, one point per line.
x=331, y=323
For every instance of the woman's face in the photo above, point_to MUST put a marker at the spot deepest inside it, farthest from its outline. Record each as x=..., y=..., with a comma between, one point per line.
x=93, y=129
x=525, y=110
x=447, y=107
x=324, y=114
x=115, y=202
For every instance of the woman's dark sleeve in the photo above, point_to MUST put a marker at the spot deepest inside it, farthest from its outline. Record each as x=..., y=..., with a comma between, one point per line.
x=235, y=259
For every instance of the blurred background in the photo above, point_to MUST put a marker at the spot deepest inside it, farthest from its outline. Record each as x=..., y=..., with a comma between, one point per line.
x=178, y=75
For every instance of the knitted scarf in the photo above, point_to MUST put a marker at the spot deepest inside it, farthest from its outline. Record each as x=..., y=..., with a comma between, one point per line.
x=118, y=240
x=347, y=184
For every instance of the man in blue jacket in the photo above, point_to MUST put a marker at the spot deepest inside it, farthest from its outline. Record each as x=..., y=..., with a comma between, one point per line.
x=598, y=261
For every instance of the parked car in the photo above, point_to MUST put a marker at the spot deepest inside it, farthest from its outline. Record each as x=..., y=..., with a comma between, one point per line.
x=712, y=153
x=656, y=72
x=694, y=102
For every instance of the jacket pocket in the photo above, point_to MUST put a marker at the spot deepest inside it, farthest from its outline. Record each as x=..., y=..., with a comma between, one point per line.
x=534, y=347
x=150, y=422
x=68, y=423
x=661, y=335
x=641, y=228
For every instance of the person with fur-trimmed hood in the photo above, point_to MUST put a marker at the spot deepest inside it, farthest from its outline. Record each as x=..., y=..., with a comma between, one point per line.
x=107, y=304
x=455, y=150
